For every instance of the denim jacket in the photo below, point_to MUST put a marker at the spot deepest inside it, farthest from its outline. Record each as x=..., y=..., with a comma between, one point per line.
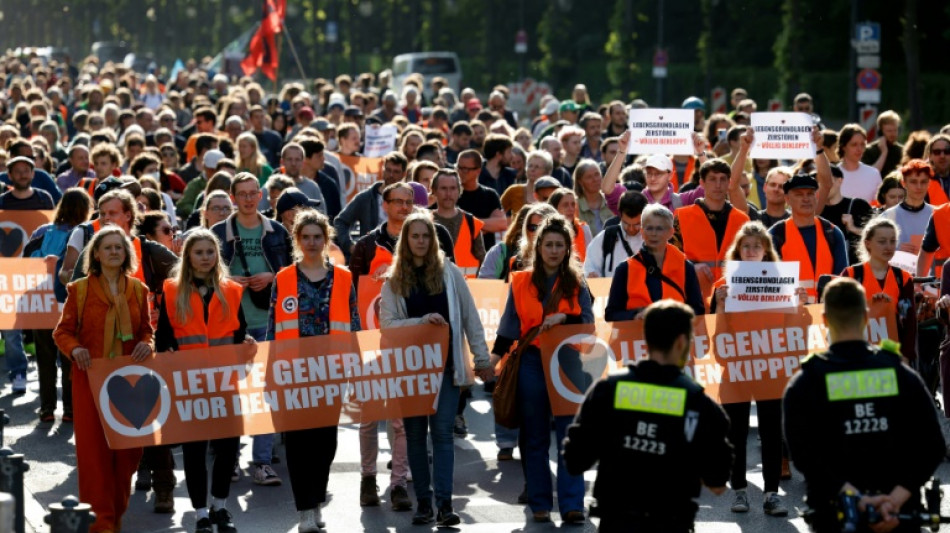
x=275, y=242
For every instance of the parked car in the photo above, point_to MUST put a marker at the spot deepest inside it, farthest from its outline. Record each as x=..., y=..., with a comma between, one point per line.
x=430, y=65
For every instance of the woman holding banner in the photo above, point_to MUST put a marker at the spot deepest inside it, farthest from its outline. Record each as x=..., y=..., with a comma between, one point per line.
x=658, y=271
x=201, y=307
x=549, y=292
x=424, y=288
x=324, y=303
x=887, y=285
x=105, y=316
x=753, y=243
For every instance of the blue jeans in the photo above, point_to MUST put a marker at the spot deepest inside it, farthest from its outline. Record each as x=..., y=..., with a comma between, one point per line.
x=536, y=441
x=440, y=426
x=15, y=354
x=262, y=449
x=506, y=437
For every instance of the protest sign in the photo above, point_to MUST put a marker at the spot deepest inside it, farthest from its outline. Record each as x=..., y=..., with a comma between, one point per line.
x=905, y=261
x=226, y=391
x=27, y=300
x=782, y=136
x=359, y=174
x=737, y=357
x=16, y=228
x=380, y=140
x=761, y=285
x=661, y=131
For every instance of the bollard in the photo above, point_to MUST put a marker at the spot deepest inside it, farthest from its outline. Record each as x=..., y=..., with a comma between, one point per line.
x=7, y=511
x=12, y=468
x=70, y=516
x=4, y=420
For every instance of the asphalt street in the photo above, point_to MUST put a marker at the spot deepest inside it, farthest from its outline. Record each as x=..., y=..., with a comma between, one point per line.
x=485, y=490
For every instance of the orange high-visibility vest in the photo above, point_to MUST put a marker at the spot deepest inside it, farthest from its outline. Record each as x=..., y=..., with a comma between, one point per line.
x=89, y=184
x=674, y=267
x=687, y=173
x=872, y=286
x=580, y=242
x=195, y=333
x=380, y=262
x=699, y=238
x=935, y=195
x=941, y=218
x=528, y=304
x=794, y=250
x=464, y=259
x=286, y=317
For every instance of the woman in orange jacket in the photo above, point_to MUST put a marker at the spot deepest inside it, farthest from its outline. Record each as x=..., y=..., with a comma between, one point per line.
x=105, y=316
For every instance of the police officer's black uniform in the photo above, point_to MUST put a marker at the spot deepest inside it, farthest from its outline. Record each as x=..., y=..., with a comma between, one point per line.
x=658, y=437
x=856, y=414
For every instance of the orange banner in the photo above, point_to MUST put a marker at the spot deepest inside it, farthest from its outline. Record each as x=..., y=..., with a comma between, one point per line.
x=16, y=228
x=273, y=387
x=737, y=357
x=368, y=297
x=490, y=297
x=360, y=173
x=27, y=300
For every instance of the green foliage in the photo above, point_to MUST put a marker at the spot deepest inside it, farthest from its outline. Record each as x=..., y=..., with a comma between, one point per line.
x=621, y=48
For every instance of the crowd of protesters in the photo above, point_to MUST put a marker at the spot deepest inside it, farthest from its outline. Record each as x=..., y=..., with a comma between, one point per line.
x=209, y=196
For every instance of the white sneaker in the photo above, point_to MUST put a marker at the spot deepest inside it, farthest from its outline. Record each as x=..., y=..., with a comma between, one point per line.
x=19, y=384
x=308, y=523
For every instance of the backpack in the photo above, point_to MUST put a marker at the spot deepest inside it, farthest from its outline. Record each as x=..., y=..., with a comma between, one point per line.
x=51, y=242
x=611, y=235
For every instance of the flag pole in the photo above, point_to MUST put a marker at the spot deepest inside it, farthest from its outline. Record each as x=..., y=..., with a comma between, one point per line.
x=293, y=50
x=277, y=70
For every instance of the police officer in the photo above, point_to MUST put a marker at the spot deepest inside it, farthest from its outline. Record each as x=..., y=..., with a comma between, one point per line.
x=851, y=416
x=657, y=435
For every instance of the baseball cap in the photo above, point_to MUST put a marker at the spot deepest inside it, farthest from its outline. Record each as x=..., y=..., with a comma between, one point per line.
x=335, y=105
x=352, y=111
x=20, y=159
x=801, y=181
x=473, y=104
x=104, y=186
x=211, y=158
x=550, y=108
x=569, y=106
x=659, y=162
x=292, y=198
x=693, y=103
x=546, y=182
x=305, y=112
x=321, y=124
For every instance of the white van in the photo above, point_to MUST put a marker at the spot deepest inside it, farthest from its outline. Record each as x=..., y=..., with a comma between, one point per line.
x=430, y=65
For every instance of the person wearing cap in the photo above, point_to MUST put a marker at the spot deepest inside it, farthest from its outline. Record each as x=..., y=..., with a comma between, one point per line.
x=617, y=112
x=291, y=201
x=819, y=247
x=545, y=187
x=209, y=163
x=547, y=115
x=473, y=107
x=658, y=171
x=699, y=112
x=20, y=147
x=78, y=168
x=569, y=111
x=704, y=230
x=21, y=197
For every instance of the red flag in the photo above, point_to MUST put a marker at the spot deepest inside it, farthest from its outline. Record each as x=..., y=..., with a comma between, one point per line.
x=262, y=52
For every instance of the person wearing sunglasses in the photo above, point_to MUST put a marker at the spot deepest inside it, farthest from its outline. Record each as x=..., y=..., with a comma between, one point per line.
x=154, y=226
x=937, y=152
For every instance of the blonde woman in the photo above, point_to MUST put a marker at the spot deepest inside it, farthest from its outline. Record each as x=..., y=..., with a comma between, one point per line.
x=250, y=159
x=201, y=307
x=423, y=288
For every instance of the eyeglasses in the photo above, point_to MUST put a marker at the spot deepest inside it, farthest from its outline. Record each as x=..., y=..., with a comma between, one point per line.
x=468, y=169
x=940, y=151
x=166, y=230
x=401, y=203
x=532, y=227
x=220, y=209
x=247, y=195
x=169, y=154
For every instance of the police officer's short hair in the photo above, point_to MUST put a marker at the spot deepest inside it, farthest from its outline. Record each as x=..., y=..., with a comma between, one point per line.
x=845, y=303
x=664, y=322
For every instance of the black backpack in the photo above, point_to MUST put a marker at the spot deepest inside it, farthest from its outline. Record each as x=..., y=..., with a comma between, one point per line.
x=611, y=235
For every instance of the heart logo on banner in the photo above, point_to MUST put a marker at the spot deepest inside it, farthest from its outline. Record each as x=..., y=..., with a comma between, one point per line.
x=661, y=117
x=11, y=241
x=134, y=402
x=582, y=363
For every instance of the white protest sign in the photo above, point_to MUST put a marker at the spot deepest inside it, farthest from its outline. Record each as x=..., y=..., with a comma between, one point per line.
x=661, y=131
x=380, y=140
x=782, y=136
x=905, y=261
x=758, y=285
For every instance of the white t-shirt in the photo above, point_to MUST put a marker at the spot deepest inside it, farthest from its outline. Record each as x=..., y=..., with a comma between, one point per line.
x=595, y=260
x=861, y=183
